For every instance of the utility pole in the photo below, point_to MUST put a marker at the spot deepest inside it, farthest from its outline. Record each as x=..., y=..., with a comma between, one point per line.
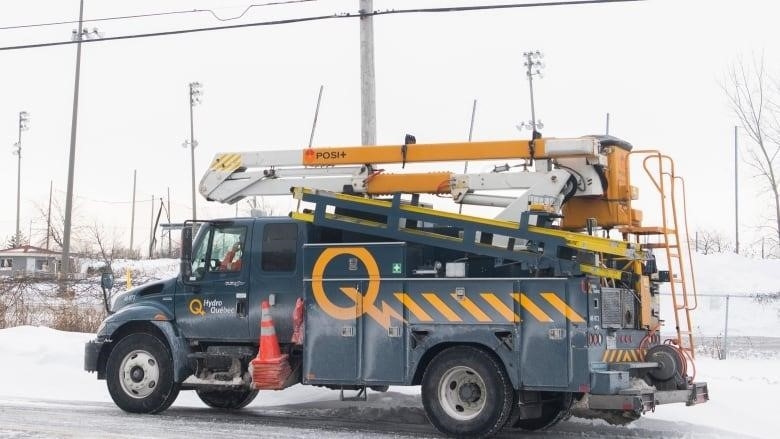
x=726, y=332
x=367, y=84
x=168, y=214
x=48, y=215
x=736, y=194
x=196, y=93
x=24, y=125
x=132, y=217
x=151, y=230
x=72, y=155
x=607, y=132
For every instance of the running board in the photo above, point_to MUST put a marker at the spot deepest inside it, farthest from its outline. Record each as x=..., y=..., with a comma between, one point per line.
x=361, y=395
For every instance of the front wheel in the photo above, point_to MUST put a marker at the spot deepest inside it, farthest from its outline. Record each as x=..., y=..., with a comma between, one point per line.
x=466, y=393
x=139, y=374
x=227, y=399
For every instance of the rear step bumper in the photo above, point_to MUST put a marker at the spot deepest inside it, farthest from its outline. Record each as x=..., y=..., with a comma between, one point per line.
x=644, y=400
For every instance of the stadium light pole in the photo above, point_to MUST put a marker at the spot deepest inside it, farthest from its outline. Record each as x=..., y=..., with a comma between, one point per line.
x=534, y=66
x=24, y=125
x=196, y=94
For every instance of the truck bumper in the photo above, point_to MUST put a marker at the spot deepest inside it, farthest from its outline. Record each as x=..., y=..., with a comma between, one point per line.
x=641, y=401
x=91, y=355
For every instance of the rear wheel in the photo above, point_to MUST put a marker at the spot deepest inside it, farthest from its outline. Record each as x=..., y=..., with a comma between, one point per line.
x=232, y=399
x=139, y=374
x=556, y=407
x=466, y=393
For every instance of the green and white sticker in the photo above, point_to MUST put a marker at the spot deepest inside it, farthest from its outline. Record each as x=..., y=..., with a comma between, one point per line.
x=397, y=268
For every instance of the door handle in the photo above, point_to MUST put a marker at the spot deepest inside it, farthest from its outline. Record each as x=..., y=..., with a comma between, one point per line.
x=241, y=304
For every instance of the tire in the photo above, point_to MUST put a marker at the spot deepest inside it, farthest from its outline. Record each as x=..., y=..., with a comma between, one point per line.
x=556, y=407
x=466, y=393
x=139, y=374
x=227, y=399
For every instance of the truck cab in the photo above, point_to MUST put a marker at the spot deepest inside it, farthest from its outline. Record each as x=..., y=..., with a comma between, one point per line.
x=199, y=329
x=235, y=266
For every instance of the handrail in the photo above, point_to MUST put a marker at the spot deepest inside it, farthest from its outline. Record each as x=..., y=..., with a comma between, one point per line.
x=688, y=241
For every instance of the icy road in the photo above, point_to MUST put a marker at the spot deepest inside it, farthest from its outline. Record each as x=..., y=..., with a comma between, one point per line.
x=24, y=418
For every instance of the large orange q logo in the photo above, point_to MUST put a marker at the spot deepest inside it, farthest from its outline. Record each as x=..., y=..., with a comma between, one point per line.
x=364, y=304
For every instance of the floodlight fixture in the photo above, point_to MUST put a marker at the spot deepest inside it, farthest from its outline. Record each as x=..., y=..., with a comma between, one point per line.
x=196, y=93
x=24, y=121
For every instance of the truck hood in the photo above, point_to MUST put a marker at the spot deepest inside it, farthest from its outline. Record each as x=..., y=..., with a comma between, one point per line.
x=149, y=289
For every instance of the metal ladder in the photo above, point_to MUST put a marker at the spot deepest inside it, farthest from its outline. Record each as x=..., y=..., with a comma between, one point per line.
x=678, y=252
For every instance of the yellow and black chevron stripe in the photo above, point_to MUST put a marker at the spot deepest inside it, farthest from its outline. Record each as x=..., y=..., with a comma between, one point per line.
x=226, y=162
x=623, y=355
x=485, y=307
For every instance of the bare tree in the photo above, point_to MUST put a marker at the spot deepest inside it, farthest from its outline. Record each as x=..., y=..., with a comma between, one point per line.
x=56, y=226
x=754, y=97
x=712, y=241
x=16, y=240
x=104, y=251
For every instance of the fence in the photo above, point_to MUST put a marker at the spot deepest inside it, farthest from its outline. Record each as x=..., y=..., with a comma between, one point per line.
x=738, y=324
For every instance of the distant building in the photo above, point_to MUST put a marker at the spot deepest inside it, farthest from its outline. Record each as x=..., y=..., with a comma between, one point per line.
x=29, y=260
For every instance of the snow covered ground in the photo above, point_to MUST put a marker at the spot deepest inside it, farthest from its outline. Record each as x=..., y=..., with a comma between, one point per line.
x=41, y=364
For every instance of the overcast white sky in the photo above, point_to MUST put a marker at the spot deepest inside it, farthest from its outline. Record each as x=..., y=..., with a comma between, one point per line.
x=655, y=66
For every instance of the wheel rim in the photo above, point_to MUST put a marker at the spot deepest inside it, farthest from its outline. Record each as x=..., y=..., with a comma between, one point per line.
x=462, y=393
x=139, y=374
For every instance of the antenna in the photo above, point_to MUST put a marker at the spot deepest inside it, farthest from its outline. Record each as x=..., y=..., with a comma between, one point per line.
x=316, y=113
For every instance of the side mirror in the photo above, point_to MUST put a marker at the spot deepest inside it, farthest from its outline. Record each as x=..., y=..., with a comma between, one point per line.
x=107, y=280
x=106, y=283
x=186, y=253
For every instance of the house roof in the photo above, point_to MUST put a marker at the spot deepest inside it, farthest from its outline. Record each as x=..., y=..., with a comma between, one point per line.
x=28, y=250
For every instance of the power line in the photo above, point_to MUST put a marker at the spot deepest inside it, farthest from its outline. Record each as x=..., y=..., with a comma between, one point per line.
x=157, y=14
x=320, y=18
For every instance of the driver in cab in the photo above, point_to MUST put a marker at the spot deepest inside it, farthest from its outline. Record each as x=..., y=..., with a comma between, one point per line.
x=232, y=259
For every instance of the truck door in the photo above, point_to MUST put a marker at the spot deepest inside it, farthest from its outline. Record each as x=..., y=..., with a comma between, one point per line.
x=545, y=333
x=214, y=307
x=276, y=274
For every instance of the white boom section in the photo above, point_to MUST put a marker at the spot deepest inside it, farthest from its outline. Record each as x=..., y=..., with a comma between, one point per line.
x=234, y=176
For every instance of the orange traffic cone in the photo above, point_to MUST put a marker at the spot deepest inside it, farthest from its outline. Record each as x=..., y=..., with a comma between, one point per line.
x=270, y=369
x=269, y=343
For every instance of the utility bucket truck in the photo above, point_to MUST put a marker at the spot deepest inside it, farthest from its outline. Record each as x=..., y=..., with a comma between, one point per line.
x=509, y=322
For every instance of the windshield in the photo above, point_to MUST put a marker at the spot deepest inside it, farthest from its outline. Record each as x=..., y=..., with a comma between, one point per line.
x=201, y=247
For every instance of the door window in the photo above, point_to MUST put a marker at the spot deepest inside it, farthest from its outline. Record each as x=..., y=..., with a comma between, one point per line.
x=280, y=245
x=221, y=251
x=227, y=249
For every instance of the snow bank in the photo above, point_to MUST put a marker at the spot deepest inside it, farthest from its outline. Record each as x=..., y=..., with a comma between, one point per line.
x=148, y=268
x=730, y=273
